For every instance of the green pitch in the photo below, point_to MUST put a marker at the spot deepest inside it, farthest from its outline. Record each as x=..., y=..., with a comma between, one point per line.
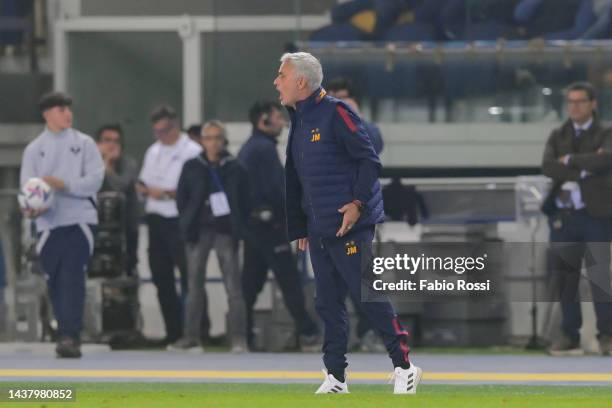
x=178, y=395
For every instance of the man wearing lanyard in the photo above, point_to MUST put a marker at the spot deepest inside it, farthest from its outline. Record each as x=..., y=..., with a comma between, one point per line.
x=158, y=181
x=578, y=157
x=212, y=200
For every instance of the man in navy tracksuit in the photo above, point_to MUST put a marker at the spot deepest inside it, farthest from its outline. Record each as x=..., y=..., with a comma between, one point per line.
x=341, y=88
x=334, y=201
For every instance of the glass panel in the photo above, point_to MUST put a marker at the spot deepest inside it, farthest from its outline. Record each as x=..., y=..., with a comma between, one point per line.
x=203, y=7
x=487, y=82
x=238, y=69
x=120, y=77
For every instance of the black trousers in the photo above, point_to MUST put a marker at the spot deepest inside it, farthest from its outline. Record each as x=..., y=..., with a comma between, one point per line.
x=131, y=249
x=167, y=251
x=578, y=238
x=267, y=248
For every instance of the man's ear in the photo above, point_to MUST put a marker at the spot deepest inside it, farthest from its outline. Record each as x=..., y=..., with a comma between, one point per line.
x=302, y=83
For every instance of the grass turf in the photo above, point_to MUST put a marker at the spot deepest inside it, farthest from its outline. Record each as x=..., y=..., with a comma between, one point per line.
x=171, y=395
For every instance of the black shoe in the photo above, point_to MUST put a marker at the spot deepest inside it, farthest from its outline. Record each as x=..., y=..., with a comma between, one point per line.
x=68, y=347
x=160, y=343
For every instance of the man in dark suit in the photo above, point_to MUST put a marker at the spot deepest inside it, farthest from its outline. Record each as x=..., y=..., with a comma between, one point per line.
x=578, y=157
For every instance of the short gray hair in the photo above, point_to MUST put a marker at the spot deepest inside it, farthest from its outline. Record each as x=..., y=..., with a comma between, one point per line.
x=215, y=123
x=307, y=66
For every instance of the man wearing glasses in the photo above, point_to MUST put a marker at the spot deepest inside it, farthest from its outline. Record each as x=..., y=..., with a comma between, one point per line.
x=158, y=182
x=213, y=203
x=121, y=174
x=578, y=157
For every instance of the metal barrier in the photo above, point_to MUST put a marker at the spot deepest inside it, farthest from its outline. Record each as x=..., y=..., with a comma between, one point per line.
x=10, y=238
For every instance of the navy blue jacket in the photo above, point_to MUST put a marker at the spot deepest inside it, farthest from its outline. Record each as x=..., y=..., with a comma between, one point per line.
x=266, y=175
x=375, y=136
x=330, y=163
x=195, y=186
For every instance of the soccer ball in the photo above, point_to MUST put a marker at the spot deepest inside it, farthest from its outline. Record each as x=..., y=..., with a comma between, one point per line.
x=36, y=195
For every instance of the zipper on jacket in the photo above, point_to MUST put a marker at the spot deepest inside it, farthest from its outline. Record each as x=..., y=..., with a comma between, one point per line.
x=314, y=215
x=312, y=209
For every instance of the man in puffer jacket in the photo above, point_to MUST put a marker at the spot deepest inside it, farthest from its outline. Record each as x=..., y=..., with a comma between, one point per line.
x=334, y=201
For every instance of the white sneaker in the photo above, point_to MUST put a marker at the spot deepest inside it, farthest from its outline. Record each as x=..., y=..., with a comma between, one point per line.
x=332, y=386
x=406, y=381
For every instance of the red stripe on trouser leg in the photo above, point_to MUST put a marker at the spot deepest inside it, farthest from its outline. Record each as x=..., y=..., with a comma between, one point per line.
x=399, y=330
x=403, y=343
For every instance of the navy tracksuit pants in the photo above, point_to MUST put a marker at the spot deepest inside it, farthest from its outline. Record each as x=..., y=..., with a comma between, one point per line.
x=338, y=264
x=64, y=255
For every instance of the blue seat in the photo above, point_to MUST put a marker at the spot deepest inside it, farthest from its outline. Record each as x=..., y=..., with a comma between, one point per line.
x=400, y=81
x=475, y=76
x=410, y=32
x=337, y=32
x=412, y=77
x=334, y=66
x=487, y=31
x=16, y=12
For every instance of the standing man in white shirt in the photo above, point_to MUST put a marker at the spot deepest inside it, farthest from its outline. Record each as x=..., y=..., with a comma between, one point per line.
x=158, y=182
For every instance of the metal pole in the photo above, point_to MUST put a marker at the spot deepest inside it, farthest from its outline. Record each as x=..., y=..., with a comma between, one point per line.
x=192, y=75
x=60, y=57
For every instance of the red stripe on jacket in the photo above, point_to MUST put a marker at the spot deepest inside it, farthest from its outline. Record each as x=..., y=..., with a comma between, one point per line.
x=346, y=118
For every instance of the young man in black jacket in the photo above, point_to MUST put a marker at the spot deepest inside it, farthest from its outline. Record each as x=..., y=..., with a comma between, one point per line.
x=212, y=199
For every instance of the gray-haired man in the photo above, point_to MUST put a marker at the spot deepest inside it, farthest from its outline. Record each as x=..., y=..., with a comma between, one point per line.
x=334, y=201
